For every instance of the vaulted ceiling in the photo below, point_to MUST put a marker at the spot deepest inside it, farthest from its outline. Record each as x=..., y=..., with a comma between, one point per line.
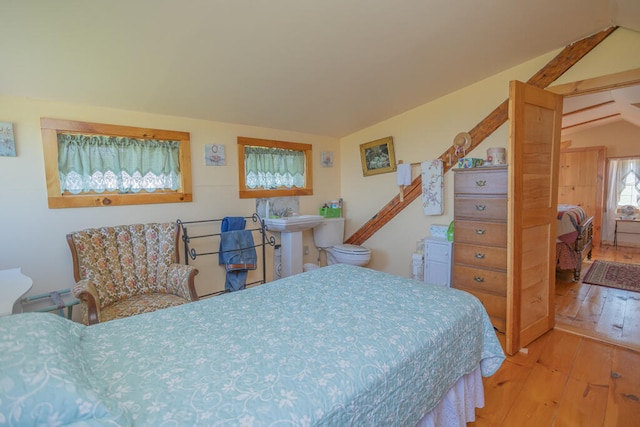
x=327, y=67
x=587, y=111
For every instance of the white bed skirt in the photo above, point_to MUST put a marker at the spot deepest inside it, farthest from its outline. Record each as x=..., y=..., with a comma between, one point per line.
x=458, y=406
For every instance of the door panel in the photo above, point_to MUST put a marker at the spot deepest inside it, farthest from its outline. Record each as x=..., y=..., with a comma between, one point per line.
x=581, y=182
x=535, y=119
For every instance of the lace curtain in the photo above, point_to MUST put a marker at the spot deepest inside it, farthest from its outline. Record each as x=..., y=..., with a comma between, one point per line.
x=107, y=163
x=619, y=169
x=274, y=168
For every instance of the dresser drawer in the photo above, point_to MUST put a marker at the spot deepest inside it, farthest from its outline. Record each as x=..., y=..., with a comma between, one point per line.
x=480, y=256
x=482, y=233
x=496, y=307
x=486, y=208
x=490, y=281
x=481, y=181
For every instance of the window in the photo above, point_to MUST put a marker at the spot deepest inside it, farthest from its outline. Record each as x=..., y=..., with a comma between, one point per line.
x=270, y=168
x=92, y=164
x=630, y=194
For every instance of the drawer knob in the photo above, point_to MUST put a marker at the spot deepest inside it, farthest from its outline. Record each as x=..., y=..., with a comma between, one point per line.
x=481, y=207
x=481, y=183
x=479, y=255
x=478, y=279
x=480, y=231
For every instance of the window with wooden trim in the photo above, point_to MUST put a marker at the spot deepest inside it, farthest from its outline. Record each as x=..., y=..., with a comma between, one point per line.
x=269, y=168
x=94, y=164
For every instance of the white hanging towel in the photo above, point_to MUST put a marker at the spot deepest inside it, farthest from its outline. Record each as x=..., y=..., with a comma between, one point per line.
x=404, y=173
x=432, y=187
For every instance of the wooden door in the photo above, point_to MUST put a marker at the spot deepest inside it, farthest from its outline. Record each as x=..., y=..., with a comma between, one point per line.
x=535, y=117
x=581, y=182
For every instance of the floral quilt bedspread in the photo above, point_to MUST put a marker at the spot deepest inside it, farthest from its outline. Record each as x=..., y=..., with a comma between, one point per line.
x=339, y=345
x=569, y=219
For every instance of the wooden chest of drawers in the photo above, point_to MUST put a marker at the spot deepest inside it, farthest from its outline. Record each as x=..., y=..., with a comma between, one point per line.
x=480, y=238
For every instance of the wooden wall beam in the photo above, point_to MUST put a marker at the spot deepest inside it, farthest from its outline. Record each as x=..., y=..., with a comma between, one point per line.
x=568, y=57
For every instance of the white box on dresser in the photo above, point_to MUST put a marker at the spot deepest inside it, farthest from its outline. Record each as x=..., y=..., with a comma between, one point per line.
x=438, y=255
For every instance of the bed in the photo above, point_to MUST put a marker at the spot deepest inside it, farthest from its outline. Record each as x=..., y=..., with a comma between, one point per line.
x=574, y=238
x=336, y=346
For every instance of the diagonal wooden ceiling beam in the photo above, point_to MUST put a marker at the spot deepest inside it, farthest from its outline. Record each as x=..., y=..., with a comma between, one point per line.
x=586, y=122
x=568, y=57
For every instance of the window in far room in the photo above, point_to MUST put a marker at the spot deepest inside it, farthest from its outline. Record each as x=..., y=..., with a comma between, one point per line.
x=93, y=164
x=629, y=187
x=630, y=195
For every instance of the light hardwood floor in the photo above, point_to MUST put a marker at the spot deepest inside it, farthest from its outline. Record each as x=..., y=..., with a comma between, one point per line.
x=607, y=314
x=574, y=375
x=564, y=380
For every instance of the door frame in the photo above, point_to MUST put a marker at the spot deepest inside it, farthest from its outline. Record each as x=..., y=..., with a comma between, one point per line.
x=598, y=84
x=594, y=85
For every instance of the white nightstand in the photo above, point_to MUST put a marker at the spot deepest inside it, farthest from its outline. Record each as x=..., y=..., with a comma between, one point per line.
x=437, y=261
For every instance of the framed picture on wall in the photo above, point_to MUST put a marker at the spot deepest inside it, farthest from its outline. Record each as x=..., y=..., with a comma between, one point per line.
x=214, y=155
x=327, y=159
x=7, y=142
x=378, y=156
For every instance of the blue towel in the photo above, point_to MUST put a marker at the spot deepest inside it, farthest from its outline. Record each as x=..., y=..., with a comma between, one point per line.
x=239, y=256
x=230, y=223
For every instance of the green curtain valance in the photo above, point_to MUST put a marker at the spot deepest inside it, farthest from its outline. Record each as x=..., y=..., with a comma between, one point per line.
x=274, y=167
x=110, y=163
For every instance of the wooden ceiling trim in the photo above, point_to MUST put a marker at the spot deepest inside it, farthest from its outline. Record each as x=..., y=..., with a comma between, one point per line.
x=591, y=121
x=568, y=57
x=592, y=107
x=598, y=84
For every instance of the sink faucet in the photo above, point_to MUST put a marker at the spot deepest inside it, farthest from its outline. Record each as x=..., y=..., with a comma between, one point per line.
x=284, y=213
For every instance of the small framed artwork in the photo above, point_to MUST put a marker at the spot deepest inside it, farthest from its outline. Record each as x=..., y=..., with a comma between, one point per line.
x=378, y=156
x=214, y=155
x=7, y=142
x=327, y=159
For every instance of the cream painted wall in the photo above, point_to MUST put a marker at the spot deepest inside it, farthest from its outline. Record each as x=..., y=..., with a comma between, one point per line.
x=33, y=236
x=621, y=139
x=428, y=130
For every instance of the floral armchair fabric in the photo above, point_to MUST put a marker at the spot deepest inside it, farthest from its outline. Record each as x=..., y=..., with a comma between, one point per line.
x=129, y=269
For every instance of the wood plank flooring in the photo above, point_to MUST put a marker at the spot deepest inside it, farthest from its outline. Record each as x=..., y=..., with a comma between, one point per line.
x=585, y=372
x=564, y=380
x=607, y=314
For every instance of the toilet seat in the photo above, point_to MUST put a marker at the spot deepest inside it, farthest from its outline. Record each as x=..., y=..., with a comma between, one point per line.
x=349, y=249
x=348, y=254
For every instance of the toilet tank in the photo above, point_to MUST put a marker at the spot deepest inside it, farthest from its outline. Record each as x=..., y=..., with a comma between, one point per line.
x=329, y=233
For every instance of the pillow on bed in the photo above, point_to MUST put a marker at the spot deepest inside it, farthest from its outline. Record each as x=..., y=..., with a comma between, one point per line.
x=42, y=381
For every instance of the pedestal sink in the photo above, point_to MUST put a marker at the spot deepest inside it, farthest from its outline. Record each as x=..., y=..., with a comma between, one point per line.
x=291, y=229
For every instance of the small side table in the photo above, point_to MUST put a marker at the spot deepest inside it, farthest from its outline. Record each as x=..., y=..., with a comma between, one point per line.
x=13, y=285
x=629, y=226
x=51, y=301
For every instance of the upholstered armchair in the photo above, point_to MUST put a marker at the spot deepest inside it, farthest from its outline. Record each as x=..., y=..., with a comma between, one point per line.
x=129, y=269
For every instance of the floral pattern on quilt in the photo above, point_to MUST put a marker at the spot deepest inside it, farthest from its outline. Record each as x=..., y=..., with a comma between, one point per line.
x=339, y=345
x=43, y=375
x=129, y=265
x=569, y=219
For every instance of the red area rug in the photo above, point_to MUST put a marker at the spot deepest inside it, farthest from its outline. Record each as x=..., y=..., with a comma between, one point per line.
x=614, y=275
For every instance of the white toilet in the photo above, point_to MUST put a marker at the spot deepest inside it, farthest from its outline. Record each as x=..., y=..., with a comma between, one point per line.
x=329, y=235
